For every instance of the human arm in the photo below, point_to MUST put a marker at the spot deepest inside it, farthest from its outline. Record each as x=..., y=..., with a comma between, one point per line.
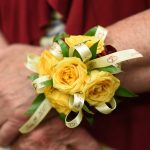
x=54, y=135
x=133, y=32
x=3, y=41
x=16, y=92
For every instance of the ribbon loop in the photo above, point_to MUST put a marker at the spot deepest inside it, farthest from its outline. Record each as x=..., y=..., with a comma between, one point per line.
x=74, y=122
x=101, y=33
x=105, y=109
x=77, y=102
x=84, y=51
x=55, y=49
x=32, y=62
x=38, y=83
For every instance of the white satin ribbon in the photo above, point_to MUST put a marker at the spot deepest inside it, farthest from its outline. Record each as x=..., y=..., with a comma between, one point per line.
x=32, y=62
x=75, y=122
x=37, y=117
x=114, y=58
x=55, y=49
x=38, y=83
x=77, y=102
x=105, y=109
x=84, y=51
x=101, y=33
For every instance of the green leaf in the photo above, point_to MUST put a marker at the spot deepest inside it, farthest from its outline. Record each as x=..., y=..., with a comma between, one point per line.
x=64, y=48
x=90, y=120
x=57, y=38
x=76, y=54
x=62, y=116
x=33, y=77
x=93, y=49
x=48, y=83
x=123, y=92
x=91, y=32
x=36, y=103
x=60, y=36
x=111, y=69
x=86, y=109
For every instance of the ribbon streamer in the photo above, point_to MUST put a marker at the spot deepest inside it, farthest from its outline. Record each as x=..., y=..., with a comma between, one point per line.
x=32, y=62
x=113, y=59
x=37, y=117
x=105, y=109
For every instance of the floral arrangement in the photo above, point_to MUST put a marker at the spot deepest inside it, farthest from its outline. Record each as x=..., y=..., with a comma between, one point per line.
x=74, y=75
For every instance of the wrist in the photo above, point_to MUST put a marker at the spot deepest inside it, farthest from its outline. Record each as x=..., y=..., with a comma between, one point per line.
x=114, y=37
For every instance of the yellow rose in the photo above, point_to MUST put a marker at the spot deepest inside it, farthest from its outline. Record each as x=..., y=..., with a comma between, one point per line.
x=100, y=87
x=70, y=75
x=74, y=40
x=46, y=63
x=58, y=100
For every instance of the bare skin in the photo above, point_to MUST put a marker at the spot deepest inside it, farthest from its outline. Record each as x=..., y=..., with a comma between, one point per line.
x=132, y=32
x=53, y=135
x=3, y=41
x=16, y=91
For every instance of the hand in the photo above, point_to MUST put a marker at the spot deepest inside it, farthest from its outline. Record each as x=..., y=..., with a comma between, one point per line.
x=54, y=135
x=16, y=92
